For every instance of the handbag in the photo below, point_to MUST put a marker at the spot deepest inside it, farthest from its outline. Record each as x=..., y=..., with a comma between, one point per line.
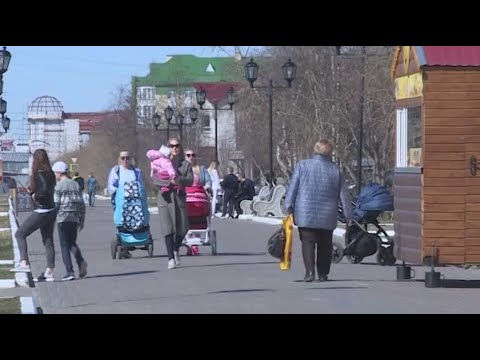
x=276, y=244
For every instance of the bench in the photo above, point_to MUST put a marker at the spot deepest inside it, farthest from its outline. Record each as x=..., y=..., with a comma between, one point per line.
x=246, y=205
x=272, y=206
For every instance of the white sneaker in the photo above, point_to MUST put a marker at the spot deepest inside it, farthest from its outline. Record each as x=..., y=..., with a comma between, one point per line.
x=171, y=264
x=21, y=268
x=44, y=277
x=176, y=258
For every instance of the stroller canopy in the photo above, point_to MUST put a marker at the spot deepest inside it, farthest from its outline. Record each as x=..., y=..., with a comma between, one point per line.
x=372, y=201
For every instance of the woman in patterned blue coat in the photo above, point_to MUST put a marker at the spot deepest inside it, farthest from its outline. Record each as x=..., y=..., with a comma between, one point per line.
x=315, y=189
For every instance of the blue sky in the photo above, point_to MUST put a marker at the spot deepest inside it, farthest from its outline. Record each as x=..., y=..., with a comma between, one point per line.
x=83, y=78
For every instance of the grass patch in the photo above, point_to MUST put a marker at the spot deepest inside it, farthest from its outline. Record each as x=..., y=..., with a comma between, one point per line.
x=10, y=306
x=5, y=221
x=5, y=272
x=6, y=247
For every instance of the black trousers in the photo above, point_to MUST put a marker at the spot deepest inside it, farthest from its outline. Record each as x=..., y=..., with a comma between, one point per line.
x=322, y=240
x=67, y=232
x=46, y=223
x=228, y=197
x=173, y=243
x=237, y=202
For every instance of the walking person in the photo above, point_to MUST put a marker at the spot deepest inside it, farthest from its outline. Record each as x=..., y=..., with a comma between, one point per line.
x=80, y=180
x=92, y=188
x=70, y=219
x=119, y=175
x=313, y=195
x=213, y=171
x=230, y=187
x=41, y=188
x=172, y=203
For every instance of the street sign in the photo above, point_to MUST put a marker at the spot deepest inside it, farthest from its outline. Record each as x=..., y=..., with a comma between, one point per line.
x=74, y=167
x=74, y=160
x=236, y=155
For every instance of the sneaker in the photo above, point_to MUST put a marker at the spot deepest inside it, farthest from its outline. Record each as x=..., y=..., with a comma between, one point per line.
x=82, y=269
x=171, y=264
x=44, y=277
x=21, y=268
x=176, y=258
x=68, y=276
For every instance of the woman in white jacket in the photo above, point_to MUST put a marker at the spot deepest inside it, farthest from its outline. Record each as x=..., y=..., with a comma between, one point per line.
x=212, y=170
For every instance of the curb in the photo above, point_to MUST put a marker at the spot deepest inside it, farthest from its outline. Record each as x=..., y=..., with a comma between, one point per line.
x=27, y=306
x=7, y=284
x=20, y=278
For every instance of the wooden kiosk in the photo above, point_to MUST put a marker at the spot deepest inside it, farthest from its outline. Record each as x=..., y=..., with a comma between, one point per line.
x=437, y=181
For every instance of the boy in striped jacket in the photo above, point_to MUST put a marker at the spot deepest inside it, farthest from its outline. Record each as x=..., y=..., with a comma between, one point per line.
x=70, y=218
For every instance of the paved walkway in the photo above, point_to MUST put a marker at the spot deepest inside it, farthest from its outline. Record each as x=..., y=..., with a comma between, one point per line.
x=243, y=278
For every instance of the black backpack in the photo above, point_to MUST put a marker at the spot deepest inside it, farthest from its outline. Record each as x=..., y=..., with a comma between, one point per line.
x=81, y=182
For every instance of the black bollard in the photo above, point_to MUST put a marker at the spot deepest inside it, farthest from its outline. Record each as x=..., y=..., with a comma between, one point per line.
x=432, y=279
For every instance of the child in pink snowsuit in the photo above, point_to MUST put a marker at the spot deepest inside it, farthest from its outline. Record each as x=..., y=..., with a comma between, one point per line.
x=160, y=164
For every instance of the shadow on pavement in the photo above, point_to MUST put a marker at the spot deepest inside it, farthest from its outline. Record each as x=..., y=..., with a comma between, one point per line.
x=239, y=291
x=460, y=284
x=122, y=274
x=242, y=254
x=229, y=264
x=338, y=287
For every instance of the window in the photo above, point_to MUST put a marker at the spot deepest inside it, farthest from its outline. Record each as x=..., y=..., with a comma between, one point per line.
x=188, y=99
x=205, y=121
x=171, y=99
x=409, y=137
x=147, y=112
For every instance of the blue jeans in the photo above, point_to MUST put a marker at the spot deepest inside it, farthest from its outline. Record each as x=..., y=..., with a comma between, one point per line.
x=91, y=197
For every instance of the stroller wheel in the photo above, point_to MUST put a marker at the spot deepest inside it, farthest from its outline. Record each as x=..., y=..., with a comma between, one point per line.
x=337, y=253
x=352, y=259
x=150, y=249
x=213, y=240
x=113, y=248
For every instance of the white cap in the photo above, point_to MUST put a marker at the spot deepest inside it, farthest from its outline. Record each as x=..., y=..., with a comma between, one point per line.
x=165, y=150
x=60, y=167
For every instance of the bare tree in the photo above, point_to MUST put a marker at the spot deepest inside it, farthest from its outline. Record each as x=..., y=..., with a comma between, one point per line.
x=323, y=103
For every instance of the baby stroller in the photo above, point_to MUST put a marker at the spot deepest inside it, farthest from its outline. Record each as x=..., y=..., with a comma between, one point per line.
x=373, y=200
x=131, y=218
x=199, y=210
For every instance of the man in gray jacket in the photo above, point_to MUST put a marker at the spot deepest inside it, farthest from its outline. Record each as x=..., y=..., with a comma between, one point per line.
x=313, y=195
x=70, y=218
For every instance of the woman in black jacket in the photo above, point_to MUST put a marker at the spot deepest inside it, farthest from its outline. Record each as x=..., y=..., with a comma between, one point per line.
x=42, y=186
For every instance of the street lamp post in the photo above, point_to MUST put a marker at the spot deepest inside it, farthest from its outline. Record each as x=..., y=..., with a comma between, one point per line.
x=157, y=119
x=360, y=119
x=201, y=96
x=179, y=120
x=5, y=57
x=289, y=73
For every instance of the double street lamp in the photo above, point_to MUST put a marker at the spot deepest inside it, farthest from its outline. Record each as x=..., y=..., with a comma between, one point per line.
x=251, y=73
x=201, y=96
x=5, y=57
x=179, y=119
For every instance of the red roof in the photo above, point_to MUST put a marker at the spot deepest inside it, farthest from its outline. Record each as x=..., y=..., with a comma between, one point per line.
x=88, y=120
x=449, y=55
x=216, y=92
